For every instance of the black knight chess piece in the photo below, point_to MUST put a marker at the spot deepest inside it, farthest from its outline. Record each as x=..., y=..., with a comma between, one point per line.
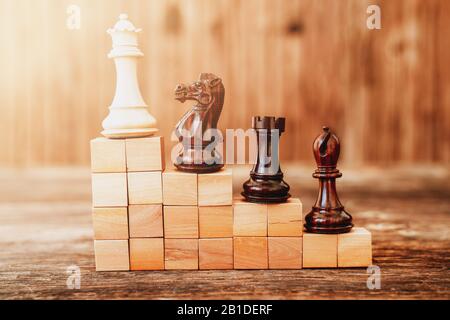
x=266, y=183
x=208, y=93
x=328, y=214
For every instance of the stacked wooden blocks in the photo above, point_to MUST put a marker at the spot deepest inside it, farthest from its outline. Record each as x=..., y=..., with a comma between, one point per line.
x=149, y=218
x=198, y=220
x=353, y=249
x=268, y=236
x=127, y=201
x=271, y=236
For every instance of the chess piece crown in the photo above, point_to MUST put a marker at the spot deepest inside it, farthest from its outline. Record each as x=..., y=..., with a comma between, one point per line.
x=208, y=92
x=266, y=184
x=128, y=114
x=328, y=214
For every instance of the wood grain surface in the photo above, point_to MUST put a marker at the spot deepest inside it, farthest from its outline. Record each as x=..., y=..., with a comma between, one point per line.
x=45, y=227
x=385, y=92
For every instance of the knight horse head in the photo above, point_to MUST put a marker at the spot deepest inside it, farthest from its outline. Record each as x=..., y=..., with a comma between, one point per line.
x=208, y=93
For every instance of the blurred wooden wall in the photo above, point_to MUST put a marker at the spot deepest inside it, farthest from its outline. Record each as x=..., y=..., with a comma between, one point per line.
x=386, y=92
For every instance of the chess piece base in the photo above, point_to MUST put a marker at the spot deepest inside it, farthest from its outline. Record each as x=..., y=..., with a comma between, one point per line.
x=199, y=168
x=256, y=199
x=129, y=133
x=262, y=189
x=333, y=221
x=188, y=162
x=337, y=230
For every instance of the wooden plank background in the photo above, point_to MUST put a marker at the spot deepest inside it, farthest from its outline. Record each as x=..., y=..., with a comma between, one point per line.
x=386, y=92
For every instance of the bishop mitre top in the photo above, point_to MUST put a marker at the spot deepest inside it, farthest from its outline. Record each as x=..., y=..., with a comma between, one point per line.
x=128, y=116
x=328, y=215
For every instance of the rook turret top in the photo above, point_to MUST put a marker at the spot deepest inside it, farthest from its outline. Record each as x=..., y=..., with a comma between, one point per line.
x=269, y=123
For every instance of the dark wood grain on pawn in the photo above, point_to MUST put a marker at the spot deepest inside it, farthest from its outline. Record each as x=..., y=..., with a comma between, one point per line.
x=45, y=226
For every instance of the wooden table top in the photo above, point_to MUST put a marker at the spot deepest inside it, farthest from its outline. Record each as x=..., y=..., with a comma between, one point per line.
x=45, y=227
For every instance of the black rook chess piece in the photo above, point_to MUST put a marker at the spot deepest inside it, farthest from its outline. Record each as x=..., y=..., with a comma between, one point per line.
x=328, y=214
x=266, y=183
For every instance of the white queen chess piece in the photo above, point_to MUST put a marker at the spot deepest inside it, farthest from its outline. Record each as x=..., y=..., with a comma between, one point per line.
x=128, y=114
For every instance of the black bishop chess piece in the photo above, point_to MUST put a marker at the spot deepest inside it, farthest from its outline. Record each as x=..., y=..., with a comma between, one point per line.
x=266, y=183
x=328, y=214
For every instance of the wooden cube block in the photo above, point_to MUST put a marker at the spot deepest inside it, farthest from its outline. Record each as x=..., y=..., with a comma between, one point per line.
x=215, y=189
x=250, y=219
x=146, y=221
x=145, y=154
x=215, y=254
x=180, y=188
x=110, y=223
x=319, y=250
x=147, y=254
x=285, y=252
x=111, y=255
x=250, y=253
x=145, y=187
x=180, y=222
x=285, y=219
x=181, y=254
x=109, y=190
x=355, y=248
x=216, y=222
x=108, y=155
